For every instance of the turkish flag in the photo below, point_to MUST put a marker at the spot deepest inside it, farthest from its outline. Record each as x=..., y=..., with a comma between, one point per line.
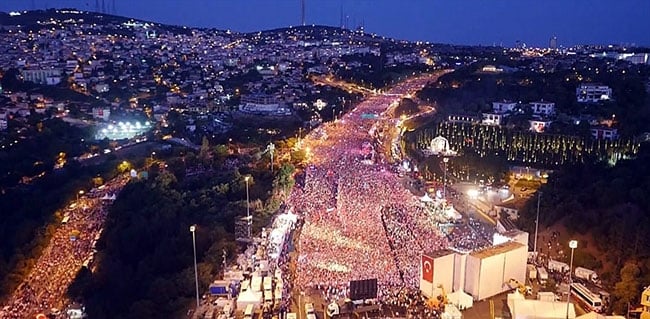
x=427, y=268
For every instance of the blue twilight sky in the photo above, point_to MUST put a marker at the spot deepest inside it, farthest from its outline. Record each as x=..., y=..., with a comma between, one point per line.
x=484, y=22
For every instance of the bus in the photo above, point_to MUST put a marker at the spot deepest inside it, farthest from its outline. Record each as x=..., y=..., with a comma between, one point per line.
x=587, y=299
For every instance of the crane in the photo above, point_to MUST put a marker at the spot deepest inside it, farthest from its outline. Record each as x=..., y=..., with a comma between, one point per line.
x=521, y=288
x=438, y=302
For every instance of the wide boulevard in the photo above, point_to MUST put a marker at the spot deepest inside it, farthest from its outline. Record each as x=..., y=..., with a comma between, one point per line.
x=360, y=222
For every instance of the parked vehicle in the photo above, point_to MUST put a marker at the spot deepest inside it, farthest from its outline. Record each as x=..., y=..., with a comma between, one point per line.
x=587, y=274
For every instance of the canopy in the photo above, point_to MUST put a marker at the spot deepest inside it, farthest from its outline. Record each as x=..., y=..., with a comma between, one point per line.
x=426, y=198
x=461, y=299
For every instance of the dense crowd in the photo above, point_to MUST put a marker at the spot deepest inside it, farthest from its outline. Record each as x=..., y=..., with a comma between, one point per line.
x=71, y=247
x=359, y=220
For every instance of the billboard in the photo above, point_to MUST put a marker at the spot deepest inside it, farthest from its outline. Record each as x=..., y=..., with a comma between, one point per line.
x=363, y=289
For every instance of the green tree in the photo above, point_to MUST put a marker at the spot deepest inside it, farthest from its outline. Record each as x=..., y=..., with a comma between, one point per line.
x=627, y=290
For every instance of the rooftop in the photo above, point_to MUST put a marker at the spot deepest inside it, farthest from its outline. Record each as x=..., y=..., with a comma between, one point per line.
x=496, y=250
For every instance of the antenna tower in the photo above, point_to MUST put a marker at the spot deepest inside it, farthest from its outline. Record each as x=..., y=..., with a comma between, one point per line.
x=302, y=9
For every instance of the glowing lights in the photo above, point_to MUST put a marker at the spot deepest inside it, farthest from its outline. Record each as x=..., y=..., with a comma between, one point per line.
x=123, y=130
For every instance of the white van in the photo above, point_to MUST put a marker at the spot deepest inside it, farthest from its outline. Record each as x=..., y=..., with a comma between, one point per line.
x=248, y=313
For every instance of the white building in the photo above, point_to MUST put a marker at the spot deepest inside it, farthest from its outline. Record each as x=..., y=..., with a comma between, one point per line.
x=543, y=108
x=604, y=133
x=102, y=88
x=592, y=93
x=40, y=76
x=492, y=119
x=503, y=106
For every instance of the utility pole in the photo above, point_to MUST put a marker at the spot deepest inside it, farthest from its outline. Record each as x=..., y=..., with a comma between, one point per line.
x=539, y=196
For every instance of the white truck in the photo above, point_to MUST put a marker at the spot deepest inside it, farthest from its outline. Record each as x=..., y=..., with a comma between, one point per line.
x=557, y=266
x=542, y=275
x=587, y=274
x=532, y=272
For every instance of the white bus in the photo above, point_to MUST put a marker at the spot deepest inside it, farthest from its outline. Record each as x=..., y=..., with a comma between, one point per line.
x=587, y=299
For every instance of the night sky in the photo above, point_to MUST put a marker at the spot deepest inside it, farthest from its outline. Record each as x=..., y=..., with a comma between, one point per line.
x=483, y=22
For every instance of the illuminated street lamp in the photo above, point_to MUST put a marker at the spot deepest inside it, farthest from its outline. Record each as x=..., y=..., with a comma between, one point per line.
x=196, y=272
x=81, y=192
x=573, y=244
x=248, y=208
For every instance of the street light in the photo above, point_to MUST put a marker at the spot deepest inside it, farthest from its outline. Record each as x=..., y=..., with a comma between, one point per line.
x=539, y=196
x=573, y=244
x=196, y=272
x=248, y=207
x=444, y=185
x=81, y=192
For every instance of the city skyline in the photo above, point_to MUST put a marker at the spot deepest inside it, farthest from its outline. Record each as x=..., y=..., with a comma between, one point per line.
x=500, y=22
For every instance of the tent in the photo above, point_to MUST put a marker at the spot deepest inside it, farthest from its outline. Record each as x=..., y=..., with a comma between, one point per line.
x=248, y=297
x=426, y=198
x=460, y=299
x=595, y=315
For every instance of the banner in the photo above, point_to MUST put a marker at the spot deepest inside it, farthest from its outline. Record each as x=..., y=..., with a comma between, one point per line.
x=427, y=268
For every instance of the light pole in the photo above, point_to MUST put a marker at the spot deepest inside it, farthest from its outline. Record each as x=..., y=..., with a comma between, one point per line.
x=196, y=271
x=444, y=183
x=573, y=244
x=539, y=196
x=81, y=192
x=248, y=207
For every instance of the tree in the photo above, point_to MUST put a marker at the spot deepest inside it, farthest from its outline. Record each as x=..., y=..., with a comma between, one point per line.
x=627, y=290
x=204, y=152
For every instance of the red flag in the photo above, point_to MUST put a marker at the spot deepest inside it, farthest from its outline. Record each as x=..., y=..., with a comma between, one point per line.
x=427, y=268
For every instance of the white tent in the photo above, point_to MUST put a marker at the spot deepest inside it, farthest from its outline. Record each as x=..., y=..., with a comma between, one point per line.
x=248, y=297
x=592, y=315
x=426, y=198
x=461, y=299
x=595, y=315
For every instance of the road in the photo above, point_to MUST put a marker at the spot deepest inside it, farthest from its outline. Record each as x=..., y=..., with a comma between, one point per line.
x=44, y=289
x=350, y=202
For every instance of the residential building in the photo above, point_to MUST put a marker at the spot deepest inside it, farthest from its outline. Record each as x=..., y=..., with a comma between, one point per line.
x=503, y=106
x=492, y=119
x=604, y=132
x=42, y=76
x=592, y=93
x=543, y=108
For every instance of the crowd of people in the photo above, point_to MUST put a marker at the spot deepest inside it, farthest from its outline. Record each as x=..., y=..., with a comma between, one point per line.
x=70, y=248
x=359, y=220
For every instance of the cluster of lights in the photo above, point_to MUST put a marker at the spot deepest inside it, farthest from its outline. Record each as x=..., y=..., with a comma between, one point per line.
x=123, y=130
x=526, y=147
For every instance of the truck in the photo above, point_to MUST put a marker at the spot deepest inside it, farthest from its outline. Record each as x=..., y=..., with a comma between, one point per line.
x=557, y=266
x=542, y=275
x=532, y=272
x=587, y=274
